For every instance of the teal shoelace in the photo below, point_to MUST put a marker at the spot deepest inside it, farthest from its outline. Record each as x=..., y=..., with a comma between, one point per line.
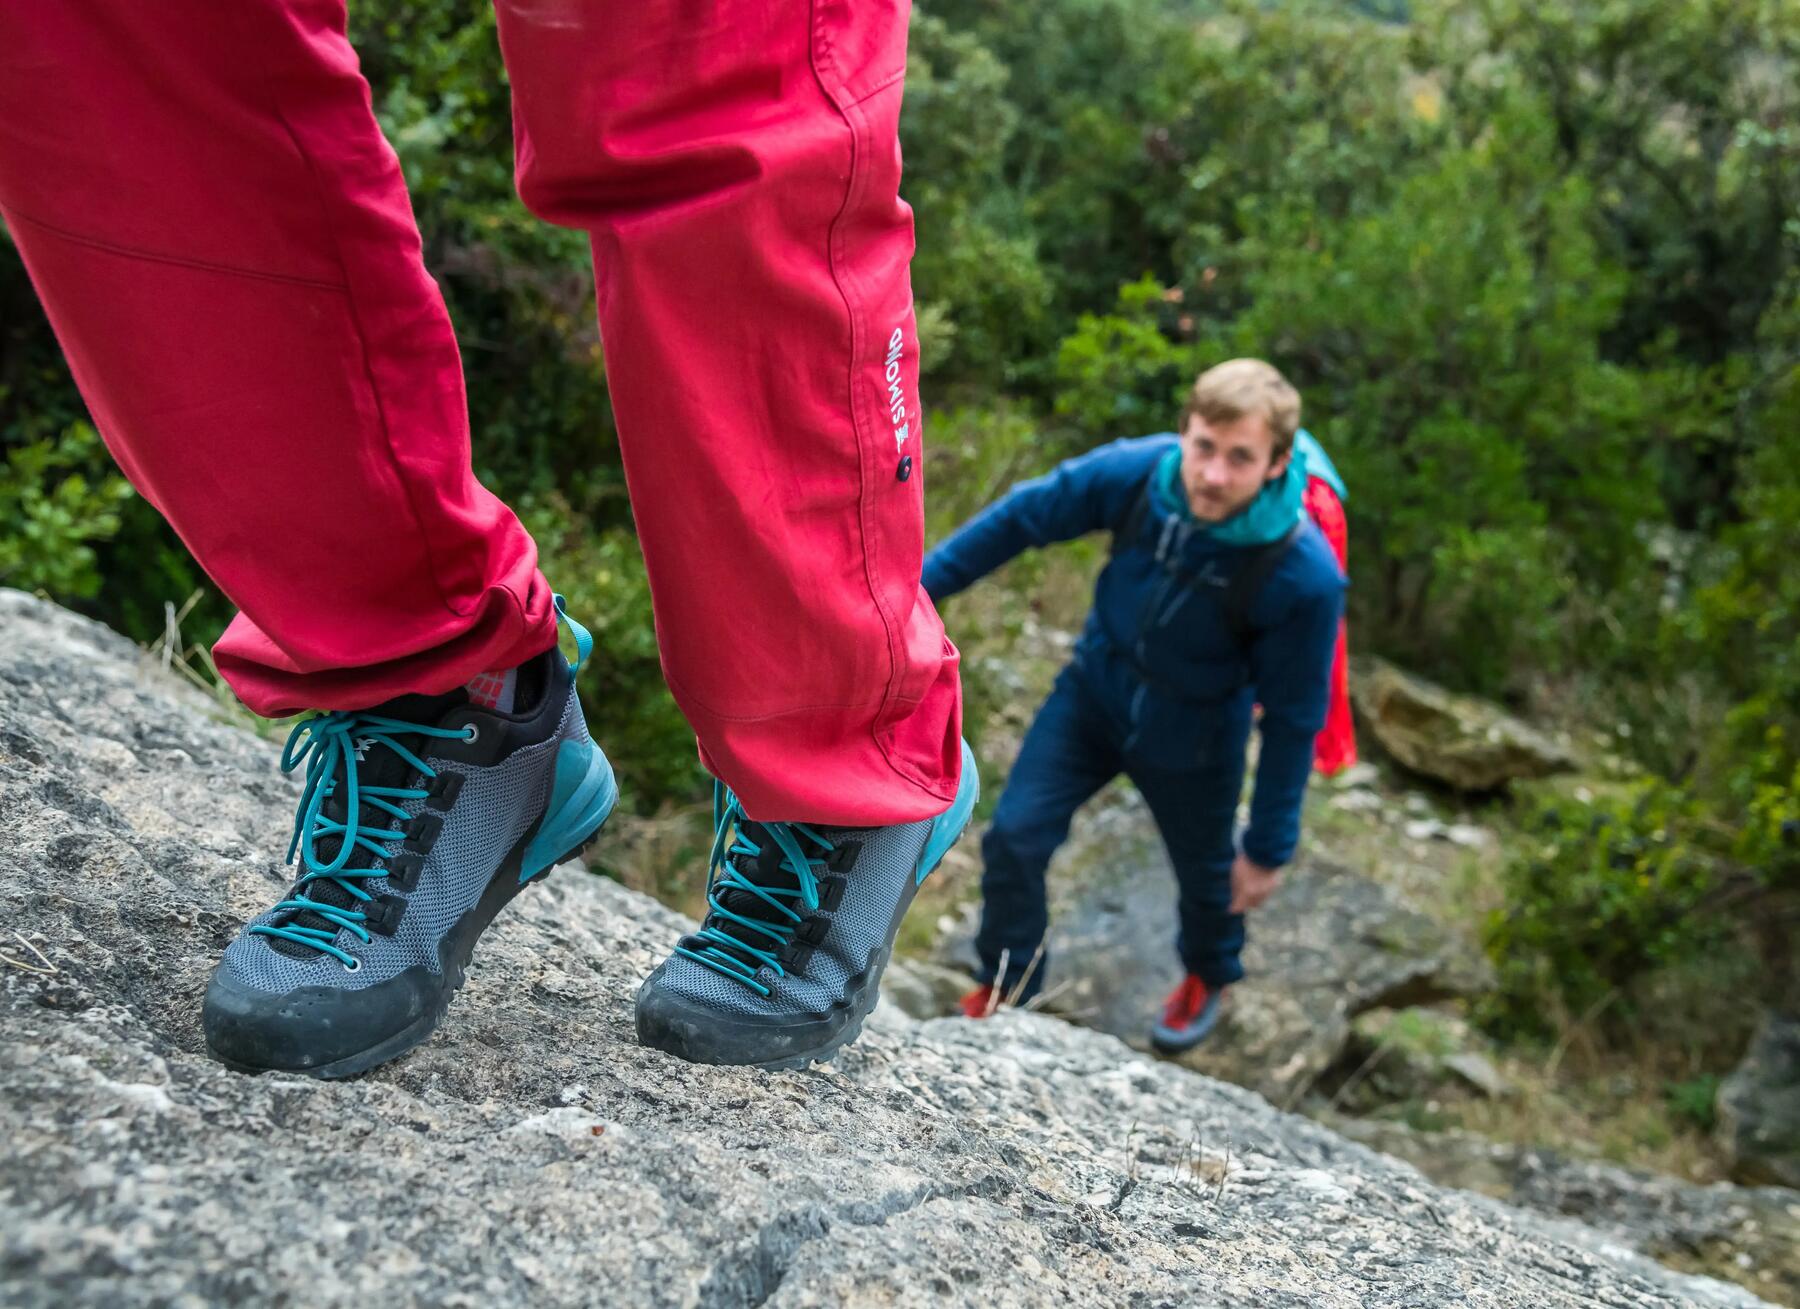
x=733, y=849
x=331, y=745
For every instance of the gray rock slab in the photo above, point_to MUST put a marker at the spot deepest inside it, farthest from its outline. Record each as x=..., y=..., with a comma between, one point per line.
x=1750, y=1235
x=532, y=1153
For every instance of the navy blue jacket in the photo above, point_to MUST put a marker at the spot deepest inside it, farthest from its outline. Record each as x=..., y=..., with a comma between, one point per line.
x=1158, y=655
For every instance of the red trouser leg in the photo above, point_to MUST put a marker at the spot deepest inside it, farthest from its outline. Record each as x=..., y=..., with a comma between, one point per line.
x=224, y=245
x=223, y=242
x=736, y=165
x=1335, y=747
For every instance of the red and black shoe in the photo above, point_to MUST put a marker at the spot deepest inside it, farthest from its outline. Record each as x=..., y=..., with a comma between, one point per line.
x=980, y=1002
x=1189, y=1016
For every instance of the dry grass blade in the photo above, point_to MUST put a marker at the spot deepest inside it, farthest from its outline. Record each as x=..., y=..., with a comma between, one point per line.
x=1358, y=1075
x=43, y=967
x=1043, y=998
x=1025, y=977
x=994, y=990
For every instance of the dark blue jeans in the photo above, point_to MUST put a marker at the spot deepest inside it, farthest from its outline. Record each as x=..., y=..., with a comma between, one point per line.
x=1071, y=751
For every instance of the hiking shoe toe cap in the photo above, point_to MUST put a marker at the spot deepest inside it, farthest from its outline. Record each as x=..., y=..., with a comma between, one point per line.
x=677, y=1015
x=314, y=1029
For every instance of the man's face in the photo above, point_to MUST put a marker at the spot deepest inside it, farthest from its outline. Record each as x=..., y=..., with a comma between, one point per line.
x=1224, y=465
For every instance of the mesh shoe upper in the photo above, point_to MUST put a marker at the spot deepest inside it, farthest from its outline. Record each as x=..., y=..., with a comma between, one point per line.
x=876, y=883
x=492, y=811
x=787, y=965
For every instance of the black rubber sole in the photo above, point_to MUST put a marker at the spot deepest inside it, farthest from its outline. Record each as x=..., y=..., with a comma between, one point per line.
x=1174, y=1048
x=453, y=957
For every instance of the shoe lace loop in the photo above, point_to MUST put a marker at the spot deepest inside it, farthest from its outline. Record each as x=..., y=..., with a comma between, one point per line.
x=747, y=858
x=332, y=745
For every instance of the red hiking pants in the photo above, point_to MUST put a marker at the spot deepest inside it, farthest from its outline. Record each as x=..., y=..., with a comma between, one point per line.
x=224, y=244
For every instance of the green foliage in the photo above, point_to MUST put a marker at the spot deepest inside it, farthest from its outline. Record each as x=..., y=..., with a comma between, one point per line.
x=54, y=508
x=1510, y=453
x=1680, y=115
x=983, y=293
x=1745, y=624
x=1609, y=894
x=1695, y=1101
x=1122, y=374
x=976, y=454
x=629, y=707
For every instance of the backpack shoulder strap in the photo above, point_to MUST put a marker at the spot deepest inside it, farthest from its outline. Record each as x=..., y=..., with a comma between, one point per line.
x=1127, y=528
x=1241, y=591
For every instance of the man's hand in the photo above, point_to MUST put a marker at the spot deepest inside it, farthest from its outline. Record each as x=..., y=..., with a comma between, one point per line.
x=1251, y=884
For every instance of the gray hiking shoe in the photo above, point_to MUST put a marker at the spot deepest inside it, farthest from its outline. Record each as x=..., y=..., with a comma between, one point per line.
x=788, y=963
x=421, y=818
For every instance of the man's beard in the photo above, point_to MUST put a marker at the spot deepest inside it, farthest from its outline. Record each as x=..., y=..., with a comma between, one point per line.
x=1216, y=509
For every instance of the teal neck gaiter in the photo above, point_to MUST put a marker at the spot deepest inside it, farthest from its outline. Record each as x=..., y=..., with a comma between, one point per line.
x=1269, y=517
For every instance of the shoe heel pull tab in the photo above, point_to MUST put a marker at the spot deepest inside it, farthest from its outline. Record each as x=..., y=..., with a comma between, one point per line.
x=584, y=640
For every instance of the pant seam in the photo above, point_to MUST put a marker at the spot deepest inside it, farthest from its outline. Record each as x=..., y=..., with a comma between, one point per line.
x=820, y=52
x=155, y=257
x=895, y=76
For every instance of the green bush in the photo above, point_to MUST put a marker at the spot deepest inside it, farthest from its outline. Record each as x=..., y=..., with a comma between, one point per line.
x=56, y=501
x=983, y=292
x=1606, y=895
x=629, y=708
x=1508, y=452
x=1695, y=1101
x=1123, y=373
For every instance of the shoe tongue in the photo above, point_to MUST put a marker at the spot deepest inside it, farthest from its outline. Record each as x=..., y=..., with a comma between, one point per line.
x=768, y=870
x=378, y=766
x=428, y=710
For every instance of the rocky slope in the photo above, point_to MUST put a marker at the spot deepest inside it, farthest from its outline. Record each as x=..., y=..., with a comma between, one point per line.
x=1329, y=945
x=1749, y=1234
x=532, y=1152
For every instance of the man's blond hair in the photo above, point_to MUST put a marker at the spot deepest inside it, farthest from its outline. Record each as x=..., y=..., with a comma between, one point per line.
x=1239, y=388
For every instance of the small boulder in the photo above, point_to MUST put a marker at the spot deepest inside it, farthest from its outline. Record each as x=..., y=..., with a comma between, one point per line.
x=1460, y=740
x=1759, y=1106
x=1396, y=1055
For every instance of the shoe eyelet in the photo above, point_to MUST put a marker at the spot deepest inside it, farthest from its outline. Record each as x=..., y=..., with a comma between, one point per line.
x=354, y=966
x=471, y=733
